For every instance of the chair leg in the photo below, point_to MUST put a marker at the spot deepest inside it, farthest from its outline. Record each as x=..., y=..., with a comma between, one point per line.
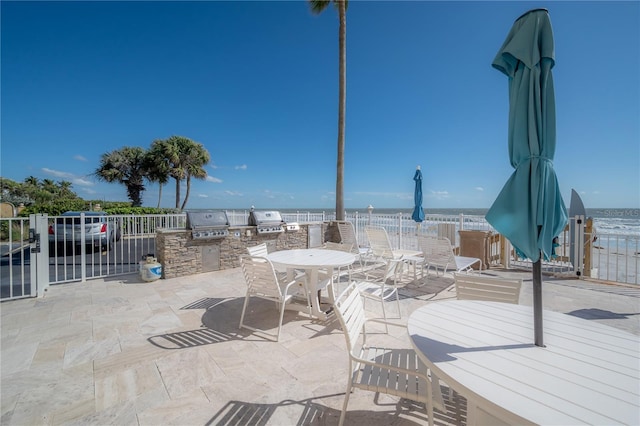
x=345, y=403
x=244, y=308
x=384, y=313
x=430, y=404
x=280, y=320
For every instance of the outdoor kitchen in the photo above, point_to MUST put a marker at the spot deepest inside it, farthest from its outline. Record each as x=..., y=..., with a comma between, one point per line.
x=210, y=243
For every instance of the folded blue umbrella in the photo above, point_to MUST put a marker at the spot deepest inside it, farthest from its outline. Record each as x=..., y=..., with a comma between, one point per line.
x=418, y=213
x=529, y=210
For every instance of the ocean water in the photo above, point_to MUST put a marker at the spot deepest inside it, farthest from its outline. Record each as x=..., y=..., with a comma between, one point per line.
x=607, y=221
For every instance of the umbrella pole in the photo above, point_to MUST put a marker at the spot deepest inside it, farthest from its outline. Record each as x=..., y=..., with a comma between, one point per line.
x=537, y=301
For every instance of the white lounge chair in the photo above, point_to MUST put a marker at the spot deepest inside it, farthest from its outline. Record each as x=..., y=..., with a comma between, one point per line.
x=393, y=371
x=382, y=250
x=438, y=254
x=348, y=236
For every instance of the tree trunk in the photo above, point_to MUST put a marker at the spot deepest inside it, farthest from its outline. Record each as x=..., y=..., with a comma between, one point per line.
x=159, y=195
x=186, y=195
x=342, y=98
x=177, y=192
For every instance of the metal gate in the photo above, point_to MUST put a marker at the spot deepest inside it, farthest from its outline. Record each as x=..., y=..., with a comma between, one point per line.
x=40, y=251
x=15, y=261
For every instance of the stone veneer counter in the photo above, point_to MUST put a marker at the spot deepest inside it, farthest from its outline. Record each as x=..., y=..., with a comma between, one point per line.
x=181, y=255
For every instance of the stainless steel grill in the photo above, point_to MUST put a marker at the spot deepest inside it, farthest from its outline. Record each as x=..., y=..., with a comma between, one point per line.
x=208, y=225
x=267, y=222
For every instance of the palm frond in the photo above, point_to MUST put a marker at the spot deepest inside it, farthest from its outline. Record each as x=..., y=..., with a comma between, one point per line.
x=317, y=6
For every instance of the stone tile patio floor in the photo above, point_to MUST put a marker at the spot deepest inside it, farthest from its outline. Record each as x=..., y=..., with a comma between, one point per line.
x=122, y=352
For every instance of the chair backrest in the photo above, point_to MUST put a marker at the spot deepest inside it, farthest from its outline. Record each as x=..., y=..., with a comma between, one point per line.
x=350, y=312
x=337, y=246
x=348, y=235
x=437, y=250
x=260, y=276
x=259, y=250
x=379, y=241
x=448, y=230
x=482, y=287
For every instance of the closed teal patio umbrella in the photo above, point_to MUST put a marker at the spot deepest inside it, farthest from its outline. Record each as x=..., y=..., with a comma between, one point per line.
x=529, y=210
x=418, y=213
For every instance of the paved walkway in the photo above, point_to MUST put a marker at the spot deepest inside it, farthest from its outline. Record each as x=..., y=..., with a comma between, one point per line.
x=119, y=351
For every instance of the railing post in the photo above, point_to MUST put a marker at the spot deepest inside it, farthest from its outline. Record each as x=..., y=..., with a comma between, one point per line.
x=461, y=219
x=587, y=247
x=40, y=267
x=356, y=228
x=83, y=250
x=399, y=230
x=578, y=245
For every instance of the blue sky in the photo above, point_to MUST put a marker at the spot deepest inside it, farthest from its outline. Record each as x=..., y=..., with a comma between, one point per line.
x=257, y=84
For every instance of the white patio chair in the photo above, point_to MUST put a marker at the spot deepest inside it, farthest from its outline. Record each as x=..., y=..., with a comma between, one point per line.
x=260, y=250
x=393, y=371
x=438, y=253
x=262, y=282
x=381, y=285
x=348, y=236
x=331, y=278
x=346, y=247
x=382, y=250
x=482, y=287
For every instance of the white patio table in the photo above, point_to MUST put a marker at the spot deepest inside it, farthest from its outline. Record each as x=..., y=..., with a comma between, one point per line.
x=587, y=373
x=312, y=260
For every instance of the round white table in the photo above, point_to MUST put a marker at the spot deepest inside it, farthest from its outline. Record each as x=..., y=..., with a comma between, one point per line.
x=587, y=373
x=311, y=260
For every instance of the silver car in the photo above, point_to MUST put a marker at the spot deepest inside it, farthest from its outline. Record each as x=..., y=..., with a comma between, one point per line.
x=100, y=230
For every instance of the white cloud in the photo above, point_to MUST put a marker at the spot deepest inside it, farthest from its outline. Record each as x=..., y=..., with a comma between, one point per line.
x=213, y=179
x=58, y=174
x=82, y=182
x=479, y=188
x=79, y=158
x=242, y=167
x=213, y=166
x=203, y=196
x=233, y=193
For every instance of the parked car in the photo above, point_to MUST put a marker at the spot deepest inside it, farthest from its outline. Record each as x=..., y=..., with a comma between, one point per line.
x=100, y=230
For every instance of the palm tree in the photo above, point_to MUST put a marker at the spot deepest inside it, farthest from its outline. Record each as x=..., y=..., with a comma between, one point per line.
x=187, y=159
x=125, y=166
x=32, y=180
x=317, y=6
x=49, y=186
x=64, y=188
x=157, y=164
x=197, y=157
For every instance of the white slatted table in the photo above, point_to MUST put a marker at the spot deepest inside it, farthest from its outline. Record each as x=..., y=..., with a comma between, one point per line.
x=587, y=373
x=311, y=260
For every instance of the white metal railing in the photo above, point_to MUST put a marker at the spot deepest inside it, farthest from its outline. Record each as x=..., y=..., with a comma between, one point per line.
x=616, y=257
x=15, y=282
x=613, y=257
